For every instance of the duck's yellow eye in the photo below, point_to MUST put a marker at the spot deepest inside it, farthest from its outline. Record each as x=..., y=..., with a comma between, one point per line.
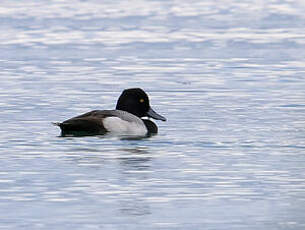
x=141, y=100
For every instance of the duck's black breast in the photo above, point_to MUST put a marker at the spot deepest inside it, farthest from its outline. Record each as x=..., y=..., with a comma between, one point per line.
x=152, y=128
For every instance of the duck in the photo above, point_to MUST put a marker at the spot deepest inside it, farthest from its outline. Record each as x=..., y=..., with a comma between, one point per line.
x=127, y=118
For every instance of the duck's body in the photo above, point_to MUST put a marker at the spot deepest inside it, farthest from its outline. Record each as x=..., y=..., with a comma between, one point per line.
x=99, y=122
x=125, y=120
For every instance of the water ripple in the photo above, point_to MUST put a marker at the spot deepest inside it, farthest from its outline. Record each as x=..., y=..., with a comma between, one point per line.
x=229, y=77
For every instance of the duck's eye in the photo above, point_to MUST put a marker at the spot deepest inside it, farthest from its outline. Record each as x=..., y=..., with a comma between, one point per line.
x=141, y=100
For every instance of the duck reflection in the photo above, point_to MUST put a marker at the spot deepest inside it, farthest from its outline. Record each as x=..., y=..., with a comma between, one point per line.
x=135, y=174
x=121, y=176
x=134, y=207
x=135, y=159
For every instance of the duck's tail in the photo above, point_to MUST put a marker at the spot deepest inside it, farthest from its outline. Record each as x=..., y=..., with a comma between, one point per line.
x=56, y=123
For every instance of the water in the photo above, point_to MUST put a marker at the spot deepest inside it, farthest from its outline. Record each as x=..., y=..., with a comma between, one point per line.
x=228, y=76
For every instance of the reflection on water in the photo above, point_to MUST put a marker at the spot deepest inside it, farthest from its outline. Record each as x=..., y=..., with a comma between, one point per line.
x=135, y=158
x=229, y=78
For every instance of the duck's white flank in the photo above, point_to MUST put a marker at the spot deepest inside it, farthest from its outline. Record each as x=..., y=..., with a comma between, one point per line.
x=118, y=125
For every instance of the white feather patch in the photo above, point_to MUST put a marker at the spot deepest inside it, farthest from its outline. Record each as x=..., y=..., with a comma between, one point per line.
x=117, y=125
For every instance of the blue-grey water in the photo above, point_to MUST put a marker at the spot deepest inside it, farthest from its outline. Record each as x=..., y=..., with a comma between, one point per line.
x=229, y=76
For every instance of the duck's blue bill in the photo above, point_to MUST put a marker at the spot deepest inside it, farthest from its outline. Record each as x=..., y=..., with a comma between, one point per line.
x=151, y=113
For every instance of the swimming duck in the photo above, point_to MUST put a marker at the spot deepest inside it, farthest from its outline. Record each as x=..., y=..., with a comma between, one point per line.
x=126, y=119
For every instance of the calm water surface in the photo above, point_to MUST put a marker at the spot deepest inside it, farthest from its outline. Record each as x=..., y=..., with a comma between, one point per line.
x=229, y=76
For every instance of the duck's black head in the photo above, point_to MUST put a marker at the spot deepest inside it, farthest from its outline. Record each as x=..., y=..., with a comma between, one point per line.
x=136, y=102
